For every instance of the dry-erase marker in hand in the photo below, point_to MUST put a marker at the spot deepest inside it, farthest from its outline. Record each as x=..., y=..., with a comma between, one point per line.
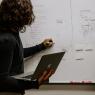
x=48, y=42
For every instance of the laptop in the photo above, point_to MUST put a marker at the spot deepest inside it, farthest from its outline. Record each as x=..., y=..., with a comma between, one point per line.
x=48, y=60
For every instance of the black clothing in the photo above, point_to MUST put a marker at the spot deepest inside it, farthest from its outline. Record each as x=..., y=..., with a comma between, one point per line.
x=11, y=62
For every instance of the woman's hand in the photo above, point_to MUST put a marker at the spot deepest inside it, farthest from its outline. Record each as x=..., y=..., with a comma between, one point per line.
x=48, y=42
x=45, y=76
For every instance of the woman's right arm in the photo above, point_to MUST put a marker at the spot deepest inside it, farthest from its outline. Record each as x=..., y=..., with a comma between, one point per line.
x=8, y=83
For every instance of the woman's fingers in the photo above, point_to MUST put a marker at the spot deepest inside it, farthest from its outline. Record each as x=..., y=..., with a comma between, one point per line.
x=48, y=74
x=40, y=80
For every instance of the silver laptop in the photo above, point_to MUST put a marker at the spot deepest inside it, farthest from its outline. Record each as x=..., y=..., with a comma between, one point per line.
x=49, y=60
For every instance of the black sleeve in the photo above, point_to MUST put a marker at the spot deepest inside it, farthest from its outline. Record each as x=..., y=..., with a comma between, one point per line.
x=32, y=50
x=8, y=83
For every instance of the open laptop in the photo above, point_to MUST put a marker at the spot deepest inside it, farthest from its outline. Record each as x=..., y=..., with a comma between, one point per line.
x=49, y=60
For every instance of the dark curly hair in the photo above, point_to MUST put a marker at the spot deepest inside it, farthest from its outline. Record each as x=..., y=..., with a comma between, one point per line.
x=15, y=14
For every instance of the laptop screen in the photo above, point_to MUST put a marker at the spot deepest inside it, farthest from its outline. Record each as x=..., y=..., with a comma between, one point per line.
x=49, y=60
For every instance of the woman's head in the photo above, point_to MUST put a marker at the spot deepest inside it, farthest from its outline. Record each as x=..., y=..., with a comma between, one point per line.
x=15, y=14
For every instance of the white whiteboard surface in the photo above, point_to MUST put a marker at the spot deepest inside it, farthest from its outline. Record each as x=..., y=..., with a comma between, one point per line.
x=71, y=24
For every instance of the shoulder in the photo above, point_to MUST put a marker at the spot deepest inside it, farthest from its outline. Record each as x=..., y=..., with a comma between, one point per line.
x=7, y=39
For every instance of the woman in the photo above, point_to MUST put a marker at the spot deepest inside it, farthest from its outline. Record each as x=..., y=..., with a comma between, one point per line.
x=14, y=16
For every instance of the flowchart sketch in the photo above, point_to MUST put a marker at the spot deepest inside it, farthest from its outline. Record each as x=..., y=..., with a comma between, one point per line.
x=83, y=20
x=71, y=25
x=83, y=14
x=52, y=20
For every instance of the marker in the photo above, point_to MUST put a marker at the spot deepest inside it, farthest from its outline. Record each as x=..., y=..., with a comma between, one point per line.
x=50, y=42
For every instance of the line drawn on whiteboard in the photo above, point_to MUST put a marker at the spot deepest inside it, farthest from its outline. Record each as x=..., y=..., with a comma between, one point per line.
x=87, y=22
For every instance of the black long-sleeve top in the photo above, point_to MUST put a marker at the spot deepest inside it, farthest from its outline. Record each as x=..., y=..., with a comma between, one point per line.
x=11, y=62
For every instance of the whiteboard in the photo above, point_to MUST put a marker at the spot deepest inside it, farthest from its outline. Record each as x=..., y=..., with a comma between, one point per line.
x=71, y=25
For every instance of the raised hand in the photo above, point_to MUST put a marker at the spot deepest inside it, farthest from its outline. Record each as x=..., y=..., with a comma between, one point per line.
x=48, y=42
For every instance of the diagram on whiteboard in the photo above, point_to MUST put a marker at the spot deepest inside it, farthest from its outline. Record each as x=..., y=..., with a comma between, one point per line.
x=71, y=25
x=87, y=21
